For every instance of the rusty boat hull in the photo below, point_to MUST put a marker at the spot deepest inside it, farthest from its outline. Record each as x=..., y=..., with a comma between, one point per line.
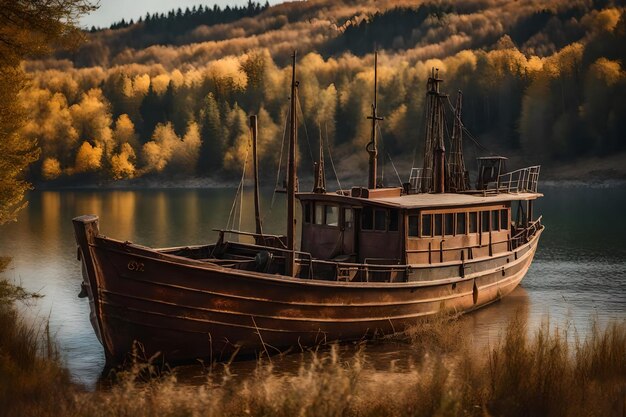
x=185, y=309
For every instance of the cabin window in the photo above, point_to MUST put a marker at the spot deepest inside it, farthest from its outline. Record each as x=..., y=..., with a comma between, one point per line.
x=449, y=223
x=380, y=220
x=495, y=220
x=427, y=229
x=484, y=221
x=504, y=219
x=332, y=215
x=414, y=225
x=307, y=212
x=367, y=218
x=438, y=224
x=473, y=222
x=319, y=214
x=348, y=218
x=460, y=223
x=393, y=220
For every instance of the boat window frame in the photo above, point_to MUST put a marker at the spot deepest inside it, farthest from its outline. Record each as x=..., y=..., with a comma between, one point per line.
x=318, y=214
x=337, y=214
x=384, y=219
x=495, y=220
x=416, y=219
x=308, y=214
x=504, y=218
x=438, y=216
x=393, y=214
x=365, y=210
x=459, y=215
x=348, y=224
x=485, y=221
x=446, y=217
x=476, y=227
x=424, y=223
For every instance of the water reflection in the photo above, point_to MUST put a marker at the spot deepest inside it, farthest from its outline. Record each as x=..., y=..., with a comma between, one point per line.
x=579, y=271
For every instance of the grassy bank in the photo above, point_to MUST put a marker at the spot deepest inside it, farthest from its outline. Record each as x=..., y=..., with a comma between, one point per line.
x=542, y=374
x=33, y=381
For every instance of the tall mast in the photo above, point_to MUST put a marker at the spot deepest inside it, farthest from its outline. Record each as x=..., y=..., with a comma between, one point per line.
x=320, y=175
x=290, y=258
x=371, y=147
x=456, y=166
x=257, y=204
x=434, y=169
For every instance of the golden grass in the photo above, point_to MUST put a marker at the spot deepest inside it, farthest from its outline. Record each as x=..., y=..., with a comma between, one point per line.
x=544, y=374
x=33, y=381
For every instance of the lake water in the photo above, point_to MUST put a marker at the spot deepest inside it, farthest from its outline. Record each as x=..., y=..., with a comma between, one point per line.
x=579, y=273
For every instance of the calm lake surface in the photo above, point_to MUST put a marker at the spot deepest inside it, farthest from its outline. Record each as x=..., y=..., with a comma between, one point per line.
x=579, y=272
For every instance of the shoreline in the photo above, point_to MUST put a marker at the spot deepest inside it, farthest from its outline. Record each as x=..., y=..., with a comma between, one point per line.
x=208, y=184
x=585, y=172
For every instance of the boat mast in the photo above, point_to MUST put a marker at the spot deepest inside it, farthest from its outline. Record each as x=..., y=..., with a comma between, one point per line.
x=290, y=258
x=458, y=180
x=257, y=204
x=320, y=174
x=434, y=168
x=371, y=147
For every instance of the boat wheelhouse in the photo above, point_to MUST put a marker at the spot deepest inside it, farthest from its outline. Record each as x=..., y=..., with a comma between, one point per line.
x=387, y=228
x=372, y=260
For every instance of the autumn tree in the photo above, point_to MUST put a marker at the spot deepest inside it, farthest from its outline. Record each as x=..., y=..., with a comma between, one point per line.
x=27, y=28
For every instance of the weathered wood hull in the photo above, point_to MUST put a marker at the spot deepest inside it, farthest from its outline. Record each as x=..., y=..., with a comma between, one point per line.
x=187, y=309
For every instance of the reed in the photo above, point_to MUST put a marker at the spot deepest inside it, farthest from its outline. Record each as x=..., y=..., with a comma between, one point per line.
x=33, y=381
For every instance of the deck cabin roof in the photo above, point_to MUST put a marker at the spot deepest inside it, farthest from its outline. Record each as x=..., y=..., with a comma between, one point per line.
x=416, y=201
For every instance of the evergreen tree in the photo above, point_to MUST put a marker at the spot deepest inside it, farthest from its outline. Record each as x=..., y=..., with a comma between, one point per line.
x=212, y=134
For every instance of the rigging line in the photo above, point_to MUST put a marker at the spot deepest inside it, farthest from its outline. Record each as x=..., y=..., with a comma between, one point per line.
x=280, y=161
x=243, y=179
x=330, y=154
x=478, y=144
x=445, y=125
x=306, y=133
x=231, y=214
x=240, y=190
x=465, y=130
x=380, y=133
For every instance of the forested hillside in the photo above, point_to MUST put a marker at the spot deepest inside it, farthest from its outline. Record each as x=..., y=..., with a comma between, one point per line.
x=544, y=80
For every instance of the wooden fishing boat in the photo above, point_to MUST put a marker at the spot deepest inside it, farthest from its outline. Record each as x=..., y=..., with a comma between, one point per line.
x=371, y=260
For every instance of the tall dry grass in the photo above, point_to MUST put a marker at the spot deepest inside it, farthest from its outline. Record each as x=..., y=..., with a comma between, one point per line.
x=33, y=381
x=544, y=373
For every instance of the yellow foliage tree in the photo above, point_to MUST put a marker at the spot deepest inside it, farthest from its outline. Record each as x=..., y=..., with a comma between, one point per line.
x=51, y=168
x=88, y=158
x=27, y=27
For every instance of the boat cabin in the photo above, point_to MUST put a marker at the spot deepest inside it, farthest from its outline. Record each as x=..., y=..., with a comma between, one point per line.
x=385, y=227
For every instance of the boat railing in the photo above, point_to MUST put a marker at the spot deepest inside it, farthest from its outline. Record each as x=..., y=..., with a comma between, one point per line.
x=388, y=269
x=346, y=271
x=526, y=233
x=519, y=181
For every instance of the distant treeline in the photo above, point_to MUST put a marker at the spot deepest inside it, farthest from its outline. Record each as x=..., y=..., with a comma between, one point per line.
x=179, y=20
x=557, y=93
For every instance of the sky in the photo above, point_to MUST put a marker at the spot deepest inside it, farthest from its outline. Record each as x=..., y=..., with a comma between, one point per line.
x=115, y=10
